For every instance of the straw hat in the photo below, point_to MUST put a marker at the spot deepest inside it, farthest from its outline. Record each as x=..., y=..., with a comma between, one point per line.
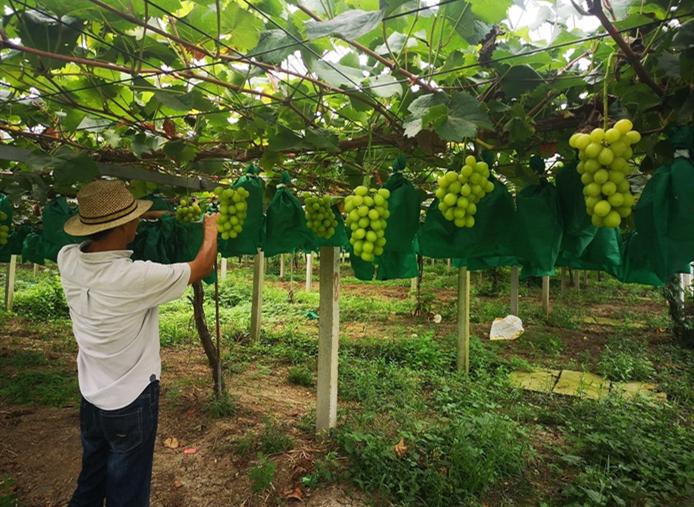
x=103, y=205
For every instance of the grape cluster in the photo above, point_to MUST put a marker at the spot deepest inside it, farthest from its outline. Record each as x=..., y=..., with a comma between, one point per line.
x=233, y=208
x=4, y=228
x=319, y=215
x=367, y=215
x=459, y=193
x=188, y=210
x=604, y=166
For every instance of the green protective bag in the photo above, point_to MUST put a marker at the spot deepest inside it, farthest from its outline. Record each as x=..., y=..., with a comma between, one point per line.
x=603, y=253
x=159, y=203
x=6, y=208
x=362, y=270
x=488, y=244
x=32, y=249
x=399, y=258
x=338, y=239
x=55, y=214
x=664, y=218
x=578, y=230
x=155, y=241
x=538, y=229
x=636, y=265
x=253, y=234
x=285, y=223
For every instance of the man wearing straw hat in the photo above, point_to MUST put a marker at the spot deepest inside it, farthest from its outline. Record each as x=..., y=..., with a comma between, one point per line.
x=113, y=304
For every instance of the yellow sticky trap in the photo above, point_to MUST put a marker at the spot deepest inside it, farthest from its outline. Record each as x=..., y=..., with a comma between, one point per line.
x=541, y=380
x=584, y=384
x=630, y=390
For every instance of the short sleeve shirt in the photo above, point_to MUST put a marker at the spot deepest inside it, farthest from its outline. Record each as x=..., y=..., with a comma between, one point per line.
x=113, y=304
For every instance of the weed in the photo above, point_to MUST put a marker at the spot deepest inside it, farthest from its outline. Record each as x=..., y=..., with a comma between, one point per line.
x=300, y=375
x=273, y=439
x=630, y=452
x=42, y=302
x=326, y=469
x=53, y=388
x=623, y=365
x=224, y=406
x=8, y=497
x=262, y=474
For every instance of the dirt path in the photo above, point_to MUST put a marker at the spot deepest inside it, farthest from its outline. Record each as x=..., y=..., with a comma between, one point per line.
x=40, y=447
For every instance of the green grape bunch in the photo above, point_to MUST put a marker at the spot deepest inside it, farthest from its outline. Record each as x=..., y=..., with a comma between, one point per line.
x=188, y=210
x=233, y=208
x=459, y=192
x=367, y=219
x=319, y=215
x=604, y=166
x=4, y=228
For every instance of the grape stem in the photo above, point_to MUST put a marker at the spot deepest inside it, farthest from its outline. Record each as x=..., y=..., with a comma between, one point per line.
x=605, y=99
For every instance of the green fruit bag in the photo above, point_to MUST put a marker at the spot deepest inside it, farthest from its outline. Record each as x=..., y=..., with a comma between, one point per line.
x=253, y=233
x=55, y=214
x=285, y=223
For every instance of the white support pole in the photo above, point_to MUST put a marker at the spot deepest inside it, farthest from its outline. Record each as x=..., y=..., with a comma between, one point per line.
x=223, y=269
x=562, y=281
x=9, y=282
x=36, y=269
x=515, y=276
x=281, y=266
x=328, y=339
x=545, y=295
x=309, y=272
x=257, y=300
x=463, y=320
x=413, y=284
x=448, y=265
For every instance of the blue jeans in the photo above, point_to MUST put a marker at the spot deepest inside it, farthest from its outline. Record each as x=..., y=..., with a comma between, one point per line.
x=118, y=447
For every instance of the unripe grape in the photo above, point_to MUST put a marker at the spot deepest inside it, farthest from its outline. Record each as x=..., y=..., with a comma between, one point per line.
x=624, y=126
x=624, y=211
x=469, y=221
x=470, y=160
x=597, y=221
x=591, y=166
x=597, y=135
x=616, y=200
x=582, y=141
x=601, y=176
x=593, y=150
x=586, y=178
x=609, y=188
x=633, y=137
x=602, y=208
x=613, y=219
x=618, y=148
x=606, y=156
x=612, y=135
x=361, y=191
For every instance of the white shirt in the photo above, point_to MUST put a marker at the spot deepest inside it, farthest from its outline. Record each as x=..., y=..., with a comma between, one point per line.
x=113, y=304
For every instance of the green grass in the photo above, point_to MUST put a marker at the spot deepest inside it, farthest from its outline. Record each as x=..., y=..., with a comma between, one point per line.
x=41, y=387
x=467, y=439
x=8, y=497
x=300, y=376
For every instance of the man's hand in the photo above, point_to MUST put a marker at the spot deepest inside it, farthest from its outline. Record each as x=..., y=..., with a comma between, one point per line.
x=210, y=224
x=203, y=263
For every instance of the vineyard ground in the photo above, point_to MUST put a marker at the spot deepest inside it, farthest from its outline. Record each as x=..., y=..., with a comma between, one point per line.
x=411, y=430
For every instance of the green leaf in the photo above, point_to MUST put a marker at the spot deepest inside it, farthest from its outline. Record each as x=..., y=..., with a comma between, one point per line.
x=466, y=115
x=285, y=139
x=459, y=15
x=349, y=25
x=396, y=42
x=269, y=41
x=49, y=34
x=385, y=85
x=684, y=38
x=491, y=11
x=141, y=144
x=463, y=116
x=80, y=168
x=520, y=79
x=337, y=75
x=322, y=139
x=180, y=151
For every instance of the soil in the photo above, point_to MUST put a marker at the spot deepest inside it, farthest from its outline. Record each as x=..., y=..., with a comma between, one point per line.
x=40, y=446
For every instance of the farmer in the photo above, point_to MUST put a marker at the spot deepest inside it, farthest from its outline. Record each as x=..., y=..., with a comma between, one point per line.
x=113, y=304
